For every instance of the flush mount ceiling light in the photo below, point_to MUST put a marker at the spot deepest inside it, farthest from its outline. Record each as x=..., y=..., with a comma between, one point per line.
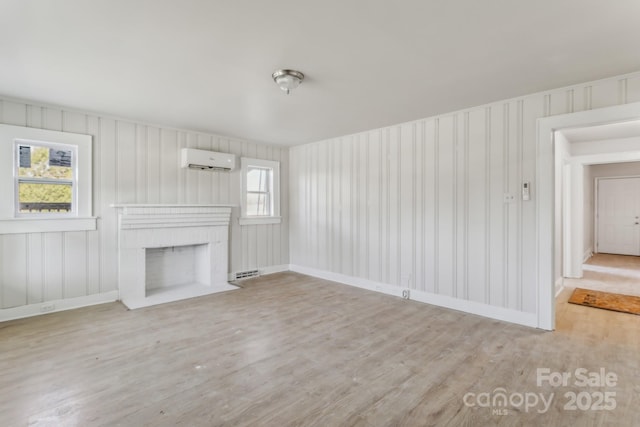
x=287, y=79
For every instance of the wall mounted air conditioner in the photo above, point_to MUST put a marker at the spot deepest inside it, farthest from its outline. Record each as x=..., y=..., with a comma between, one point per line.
x=207, y=160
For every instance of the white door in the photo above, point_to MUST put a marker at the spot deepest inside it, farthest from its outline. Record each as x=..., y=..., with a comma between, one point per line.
x=619, y=216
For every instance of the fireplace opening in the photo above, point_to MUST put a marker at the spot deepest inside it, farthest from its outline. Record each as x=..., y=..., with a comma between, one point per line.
x=174, y=266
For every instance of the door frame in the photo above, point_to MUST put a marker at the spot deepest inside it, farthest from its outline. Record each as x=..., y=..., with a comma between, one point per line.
x=545, y=208
x=595, y=206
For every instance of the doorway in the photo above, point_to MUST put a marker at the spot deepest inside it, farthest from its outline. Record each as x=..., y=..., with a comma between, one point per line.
x=550, y=170
x=618, y=216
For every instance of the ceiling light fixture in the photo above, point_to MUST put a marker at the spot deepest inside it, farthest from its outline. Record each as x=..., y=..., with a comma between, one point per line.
x=287, y=79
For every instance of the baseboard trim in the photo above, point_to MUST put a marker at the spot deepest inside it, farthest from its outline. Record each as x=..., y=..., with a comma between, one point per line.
x=587, y=254
x=58, y=305
x=559, y=286
x=466, y=306
x=274, y=269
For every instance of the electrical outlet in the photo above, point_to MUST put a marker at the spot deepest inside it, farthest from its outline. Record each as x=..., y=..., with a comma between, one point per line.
x=47, y=307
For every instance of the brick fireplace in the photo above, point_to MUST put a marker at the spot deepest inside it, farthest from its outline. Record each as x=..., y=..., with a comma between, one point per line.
x=172, y=252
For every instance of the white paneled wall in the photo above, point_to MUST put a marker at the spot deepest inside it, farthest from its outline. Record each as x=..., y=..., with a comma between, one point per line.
x=133, y=163
x=421, y=205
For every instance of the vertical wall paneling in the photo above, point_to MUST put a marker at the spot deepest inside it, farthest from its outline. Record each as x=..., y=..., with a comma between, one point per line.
x=75, y=264
x=52, y=119
x=94, y=246
x=345, y=236
x=140, y=153
x=310, y=225
x=351, y=265
x=126, y=161
x=301, y=250
x=605, y=93
x=513, y=233
x=249, y=232
x=109, y=195
x=285, y=174
x=77, y=251
x=191, y=176
x=34, y=116
x=362, y=213
x=417, y=223
x=153, y=166
x=169, y=166
x=35, y=268
x=386, y=188
x=358, y=189
x=488, y=208
x=333, y=184
x=235, y=230
x=531, y=110
x=268, y=231
x=374, y=207
x=560, y=102
x=328, y=210
x=497, y=221
x=460, y=205
x=261, y=241
x=476, y=217
x=132, y=163
x=273, y=236
x=406, y=204
x=446, y=201
x=224, y=179
x=14, y=113
x=53, y=266
x=579, y=102
x=429, y=216
x=15, y=271
x=323, y=233
x=214, y=177
x=436, y=205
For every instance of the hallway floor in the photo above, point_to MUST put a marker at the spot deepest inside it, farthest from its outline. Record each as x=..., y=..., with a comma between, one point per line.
x=618, y=274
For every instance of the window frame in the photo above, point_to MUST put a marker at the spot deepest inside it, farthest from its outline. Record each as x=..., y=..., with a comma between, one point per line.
x=274, y=218
x=17, y=180
x=80, y=219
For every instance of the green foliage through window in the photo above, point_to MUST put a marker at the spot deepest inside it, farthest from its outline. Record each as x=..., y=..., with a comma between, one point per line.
x=43, y=187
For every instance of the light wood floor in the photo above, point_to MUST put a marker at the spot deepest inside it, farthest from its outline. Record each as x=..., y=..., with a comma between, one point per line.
x=292, y=350
x=619, y=274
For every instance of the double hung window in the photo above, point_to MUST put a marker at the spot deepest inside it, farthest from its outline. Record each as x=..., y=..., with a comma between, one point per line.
x=260, y=192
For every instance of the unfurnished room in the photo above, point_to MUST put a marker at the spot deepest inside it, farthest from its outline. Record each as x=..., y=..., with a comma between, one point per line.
x=355, y=213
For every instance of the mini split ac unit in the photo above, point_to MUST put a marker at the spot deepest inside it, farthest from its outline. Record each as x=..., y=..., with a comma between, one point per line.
x=207, y=160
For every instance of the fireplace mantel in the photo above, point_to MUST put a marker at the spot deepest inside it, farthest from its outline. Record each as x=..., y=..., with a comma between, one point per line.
x=133, y=216
x=154, y=226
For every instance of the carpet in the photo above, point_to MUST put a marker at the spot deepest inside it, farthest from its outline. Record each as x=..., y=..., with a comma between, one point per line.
x=605, y=300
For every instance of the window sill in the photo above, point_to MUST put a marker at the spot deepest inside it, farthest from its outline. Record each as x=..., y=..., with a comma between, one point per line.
x=260, y=220
x=46, y=225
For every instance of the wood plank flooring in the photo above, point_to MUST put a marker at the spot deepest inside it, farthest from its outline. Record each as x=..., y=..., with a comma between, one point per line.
x=290, y=350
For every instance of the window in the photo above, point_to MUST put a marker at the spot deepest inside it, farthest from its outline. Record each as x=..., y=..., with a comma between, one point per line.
x=45, y=181
x=260, y=192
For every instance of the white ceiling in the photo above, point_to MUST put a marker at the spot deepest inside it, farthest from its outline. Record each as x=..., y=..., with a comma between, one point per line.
x=206, y=64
